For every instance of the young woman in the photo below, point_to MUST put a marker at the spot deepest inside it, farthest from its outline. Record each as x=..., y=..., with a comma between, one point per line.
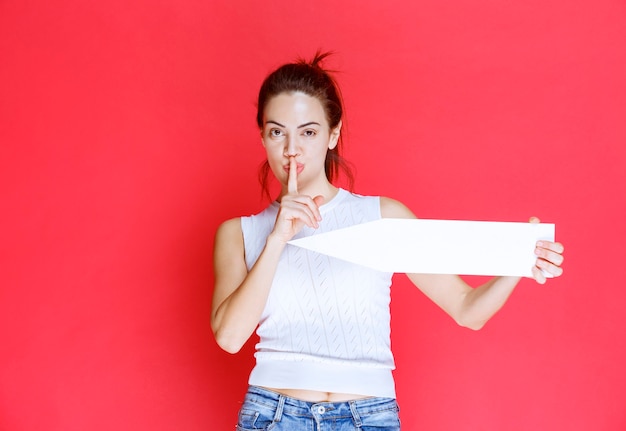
x=324, y=357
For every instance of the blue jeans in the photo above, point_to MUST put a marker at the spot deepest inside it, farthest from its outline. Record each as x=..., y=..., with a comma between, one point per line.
x=267, y=410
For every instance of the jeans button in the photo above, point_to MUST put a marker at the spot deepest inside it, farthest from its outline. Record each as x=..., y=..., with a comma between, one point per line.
x=321, y=410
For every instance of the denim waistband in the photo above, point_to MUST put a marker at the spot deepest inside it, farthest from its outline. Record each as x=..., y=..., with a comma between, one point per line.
x=355, y=409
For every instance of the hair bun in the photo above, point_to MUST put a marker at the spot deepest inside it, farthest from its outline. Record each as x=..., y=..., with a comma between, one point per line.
x=317, y=60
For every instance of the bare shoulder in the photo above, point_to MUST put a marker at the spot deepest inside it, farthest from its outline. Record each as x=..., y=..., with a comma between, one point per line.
x=228, y=253
x=229, y=236
x=392, y=208
x=230, y=227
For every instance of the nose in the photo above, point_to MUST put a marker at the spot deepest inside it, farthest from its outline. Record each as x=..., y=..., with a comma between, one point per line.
x=291, y=146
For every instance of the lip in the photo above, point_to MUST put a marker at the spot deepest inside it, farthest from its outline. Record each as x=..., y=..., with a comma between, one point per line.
x=299, y=167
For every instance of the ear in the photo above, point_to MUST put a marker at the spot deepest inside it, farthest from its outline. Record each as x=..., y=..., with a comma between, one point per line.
x=334, y=136
x=262, y=140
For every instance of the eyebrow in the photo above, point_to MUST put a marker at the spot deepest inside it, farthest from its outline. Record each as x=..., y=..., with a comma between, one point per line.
x=299, y=127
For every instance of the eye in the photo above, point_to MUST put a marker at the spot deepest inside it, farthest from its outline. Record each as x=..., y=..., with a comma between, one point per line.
x=309, y=133
x=275, y=133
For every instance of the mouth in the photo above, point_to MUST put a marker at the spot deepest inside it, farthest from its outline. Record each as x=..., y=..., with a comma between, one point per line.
x=299, y=167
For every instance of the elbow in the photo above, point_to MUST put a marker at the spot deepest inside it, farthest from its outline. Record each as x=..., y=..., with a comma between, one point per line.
x=473, y=324
x=230, y=337
x=223, y=337
x=231, y=348
x=227, y=343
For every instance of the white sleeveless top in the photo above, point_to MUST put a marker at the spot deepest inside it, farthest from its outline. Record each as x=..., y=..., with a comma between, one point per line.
x=326, y=323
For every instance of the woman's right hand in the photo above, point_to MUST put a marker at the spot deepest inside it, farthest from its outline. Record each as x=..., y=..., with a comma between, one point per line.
x=296, y=211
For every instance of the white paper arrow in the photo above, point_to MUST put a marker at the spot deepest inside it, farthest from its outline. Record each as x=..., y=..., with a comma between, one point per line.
x=435, y=246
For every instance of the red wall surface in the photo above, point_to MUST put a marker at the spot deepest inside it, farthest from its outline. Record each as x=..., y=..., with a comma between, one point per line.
x=127, y=135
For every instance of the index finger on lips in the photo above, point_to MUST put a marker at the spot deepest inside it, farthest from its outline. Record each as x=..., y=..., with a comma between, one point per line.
x=292, y=180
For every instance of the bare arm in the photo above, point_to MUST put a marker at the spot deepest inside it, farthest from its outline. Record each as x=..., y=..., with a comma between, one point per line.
x=239, y=296
x=473, y=307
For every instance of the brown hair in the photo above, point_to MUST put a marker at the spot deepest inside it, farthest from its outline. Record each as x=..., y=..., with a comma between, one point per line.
x=310, y=78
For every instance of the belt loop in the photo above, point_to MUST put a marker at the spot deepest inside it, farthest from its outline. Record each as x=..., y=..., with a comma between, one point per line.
x=355, y=414
x=279, y=408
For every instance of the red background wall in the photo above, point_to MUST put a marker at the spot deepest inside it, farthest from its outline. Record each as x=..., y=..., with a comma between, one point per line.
x=127, y=135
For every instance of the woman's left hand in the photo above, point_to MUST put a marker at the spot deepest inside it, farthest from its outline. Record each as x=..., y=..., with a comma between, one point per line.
x=549, y=258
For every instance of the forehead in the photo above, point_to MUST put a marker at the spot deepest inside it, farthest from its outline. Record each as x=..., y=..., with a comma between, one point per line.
x=294, y=107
